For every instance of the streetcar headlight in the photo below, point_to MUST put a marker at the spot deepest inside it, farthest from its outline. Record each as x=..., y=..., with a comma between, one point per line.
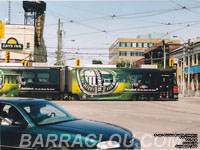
x=108, y=145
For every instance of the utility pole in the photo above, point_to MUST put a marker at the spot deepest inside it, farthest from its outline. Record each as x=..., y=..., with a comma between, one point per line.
x=189, y=53
x=59, y=48
x=183, y=75
x=164, y=54
x=9, y=12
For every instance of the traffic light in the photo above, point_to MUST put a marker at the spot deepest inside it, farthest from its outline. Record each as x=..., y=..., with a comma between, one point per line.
x=7, y=57
x=171, y=62
x=186, y=75
x=25, y=63
x=78, y=62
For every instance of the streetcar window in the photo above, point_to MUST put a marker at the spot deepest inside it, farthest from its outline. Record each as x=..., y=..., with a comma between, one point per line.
x=28, y=77
x=107, y=78
x=43, y=77
x=16, y=79
x=134, y=78
x=122, y=78
x=8, y=78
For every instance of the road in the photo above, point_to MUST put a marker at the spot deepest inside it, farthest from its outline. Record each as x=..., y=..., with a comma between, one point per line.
x=144, y=118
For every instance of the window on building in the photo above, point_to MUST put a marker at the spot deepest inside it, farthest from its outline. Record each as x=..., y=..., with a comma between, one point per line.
x=150, y=44
x=28, y=45
x=128, y=44
x=122, y=44
x=199, y=58
x=145, y=45
x=180, y=61
x=134, y=45
x=137, y=53
x=115, y=47
x=140, y=44
x=186, y=60
x=133, y=54
x=191, y=60
x=140, y=53
x=195, y=58
x=122, y=53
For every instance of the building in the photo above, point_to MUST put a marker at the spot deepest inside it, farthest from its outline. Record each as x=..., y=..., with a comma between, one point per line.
x=160, y=36
x=126, y=50
x=192, y=62
x=19, y=40
x=155, y=55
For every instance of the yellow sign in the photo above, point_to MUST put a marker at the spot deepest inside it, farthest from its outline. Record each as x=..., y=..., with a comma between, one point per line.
x=171, y=62
x=7, y=57
x=2, y=30
x=77, y=62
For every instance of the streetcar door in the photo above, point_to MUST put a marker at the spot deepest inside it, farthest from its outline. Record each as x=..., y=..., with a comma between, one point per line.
x=165, y=86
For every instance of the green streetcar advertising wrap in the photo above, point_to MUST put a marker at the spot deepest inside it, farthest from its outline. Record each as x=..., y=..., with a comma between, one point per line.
x=88, y=83
x=9, y=83
x=104, y=83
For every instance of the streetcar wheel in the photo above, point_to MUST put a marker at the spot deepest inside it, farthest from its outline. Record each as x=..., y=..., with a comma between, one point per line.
x=56, y=97
x=134, y=98
x=151, y=98
x=71, y=98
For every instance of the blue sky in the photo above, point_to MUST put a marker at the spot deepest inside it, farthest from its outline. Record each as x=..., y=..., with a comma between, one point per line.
x=90, y=27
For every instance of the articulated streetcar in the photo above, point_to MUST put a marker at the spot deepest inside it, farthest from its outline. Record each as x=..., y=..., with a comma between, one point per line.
x=86, y=83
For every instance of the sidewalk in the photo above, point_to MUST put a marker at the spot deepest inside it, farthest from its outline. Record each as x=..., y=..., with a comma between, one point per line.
x=186, y=96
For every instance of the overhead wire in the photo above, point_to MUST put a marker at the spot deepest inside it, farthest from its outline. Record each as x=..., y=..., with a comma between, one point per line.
x=186, y=8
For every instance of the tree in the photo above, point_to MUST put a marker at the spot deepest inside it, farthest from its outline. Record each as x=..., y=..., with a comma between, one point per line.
x=97, y=62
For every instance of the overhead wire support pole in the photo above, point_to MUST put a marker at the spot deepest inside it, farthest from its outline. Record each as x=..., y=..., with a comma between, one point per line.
x=183, y=75
x=183, y=64
x=59, y=44
x=164, y=54
x=9, y=12
x=189, y=51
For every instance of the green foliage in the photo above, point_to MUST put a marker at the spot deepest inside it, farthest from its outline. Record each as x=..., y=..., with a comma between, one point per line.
x=97, y=62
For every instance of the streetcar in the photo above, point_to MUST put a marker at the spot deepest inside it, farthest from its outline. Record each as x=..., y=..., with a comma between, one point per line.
x=88, y=83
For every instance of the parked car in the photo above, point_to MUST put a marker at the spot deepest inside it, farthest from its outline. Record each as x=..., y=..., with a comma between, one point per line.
x=40, y=124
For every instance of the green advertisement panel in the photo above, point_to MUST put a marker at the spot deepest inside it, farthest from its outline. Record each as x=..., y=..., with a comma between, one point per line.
x=9, y=83
x=103, y=83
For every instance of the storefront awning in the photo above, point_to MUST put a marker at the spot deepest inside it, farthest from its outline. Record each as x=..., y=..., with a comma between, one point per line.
x=193, y=69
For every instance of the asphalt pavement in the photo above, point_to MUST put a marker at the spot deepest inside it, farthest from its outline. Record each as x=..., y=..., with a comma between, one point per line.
x=146, y=119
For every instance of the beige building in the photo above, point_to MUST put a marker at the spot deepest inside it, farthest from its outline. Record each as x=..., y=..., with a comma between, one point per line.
x=19, y=40
x=129, y=50
x=192, y=61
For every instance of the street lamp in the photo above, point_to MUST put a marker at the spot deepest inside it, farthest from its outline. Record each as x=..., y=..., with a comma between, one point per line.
x=183, y=62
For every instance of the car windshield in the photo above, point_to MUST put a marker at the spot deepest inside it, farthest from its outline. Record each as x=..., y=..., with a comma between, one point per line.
x=43, y=113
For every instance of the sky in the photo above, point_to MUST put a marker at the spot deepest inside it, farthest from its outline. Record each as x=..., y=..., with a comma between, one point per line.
x=91, y=27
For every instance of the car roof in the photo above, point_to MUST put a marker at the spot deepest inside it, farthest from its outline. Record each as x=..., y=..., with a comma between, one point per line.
x=17, y=100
